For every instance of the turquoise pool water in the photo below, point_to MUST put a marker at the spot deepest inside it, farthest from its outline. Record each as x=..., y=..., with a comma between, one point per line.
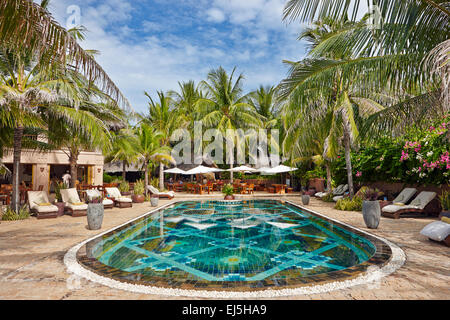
x=201, y=242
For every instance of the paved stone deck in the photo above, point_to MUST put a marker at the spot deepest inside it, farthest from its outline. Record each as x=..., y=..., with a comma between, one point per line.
x=32, y=251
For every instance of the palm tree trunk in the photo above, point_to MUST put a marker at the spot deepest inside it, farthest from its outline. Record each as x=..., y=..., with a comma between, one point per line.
x=124, y=170
x=231, y=173
x=348, y=163
x=146, y=178
x=73, y=171
x=15, y=201
x=327, y=166
x=161, y=176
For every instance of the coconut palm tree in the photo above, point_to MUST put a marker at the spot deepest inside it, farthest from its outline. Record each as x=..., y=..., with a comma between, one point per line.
x=150, y=148
x=124, y=148
x=28, y=26
x=225, y=107
x=331, y=81
x=166, y=119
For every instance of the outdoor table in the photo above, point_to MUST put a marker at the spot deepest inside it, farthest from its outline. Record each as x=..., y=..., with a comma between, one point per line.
x=280, y=188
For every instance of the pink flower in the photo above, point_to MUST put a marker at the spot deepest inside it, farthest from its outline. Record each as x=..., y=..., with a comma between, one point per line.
x=359, y=174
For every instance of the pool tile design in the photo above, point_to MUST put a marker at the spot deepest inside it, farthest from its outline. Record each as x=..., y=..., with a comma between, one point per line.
x=244, y=245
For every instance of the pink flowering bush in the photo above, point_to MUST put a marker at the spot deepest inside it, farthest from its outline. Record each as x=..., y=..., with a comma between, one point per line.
x=420, y=156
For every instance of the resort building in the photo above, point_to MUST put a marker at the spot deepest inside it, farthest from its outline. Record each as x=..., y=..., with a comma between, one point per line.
x=39, y=168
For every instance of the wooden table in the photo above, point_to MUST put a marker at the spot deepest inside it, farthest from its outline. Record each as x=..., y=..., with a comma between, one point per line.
x=280, y=188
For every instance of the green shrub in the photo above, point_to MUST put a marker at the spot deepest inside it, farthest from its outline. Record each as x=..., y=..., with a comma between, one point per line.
x=10, y=215
x=124, y=186
x=107, y=178
x=328, y=197
x=445, y=200
x=228, y=190
x=139, y=188
x=347, y=204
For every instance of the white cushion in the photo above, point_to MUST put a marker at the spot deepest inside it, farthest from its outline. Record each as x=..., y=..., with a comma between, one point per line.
x=123, y=199
x=405, y=195
x=335, y=199
x=37, y=197
x=45, y=209
x=113, y=192
x=437, y=231
x=77, y=207
x=94, y=193
x=423, y=199
x=70, y=196
x=392, y=208
x=107, y=202
x=153, y=190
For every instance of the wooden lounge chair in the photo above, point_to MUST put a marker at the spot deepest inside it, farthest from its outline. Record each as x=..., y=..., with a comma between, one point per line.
x=340, y=193
x=94, y=193
x=153, y=190
x=40, y=205
x=425, y=203
x=119, y=200
x=72, y=203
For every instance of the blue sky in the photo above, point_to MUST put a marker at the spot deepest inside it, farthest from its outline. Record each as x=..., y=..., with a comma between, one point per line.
x=153, y=44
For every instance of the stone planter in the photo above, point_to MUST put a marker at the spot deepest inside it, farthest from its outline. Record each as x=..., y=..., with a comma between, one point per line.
x=371, y=213
x=138, y=198
x=60, y=206
x=154, y=201
x=305, y=199
x=95, y=214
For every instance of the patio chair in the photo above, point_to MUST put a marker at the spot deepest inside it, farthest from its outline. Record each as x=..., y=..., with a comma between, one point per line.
x=94, y=193
x=336, y=192
x=41, y=206
x=250, y=189
x=72, y=203
x=119, y=200
x=425, y=203
x=160, y=195
x=405, y=196
x=339, y=194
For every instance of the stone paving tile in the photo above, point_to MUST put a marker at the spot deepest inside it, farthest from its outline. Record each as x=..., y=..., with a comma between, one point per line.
x=32, y=252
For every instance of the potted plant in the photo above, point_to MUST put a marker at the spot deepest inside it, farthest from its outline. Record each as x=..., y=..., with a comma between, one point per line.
x=58, y=198
x=371, y=209
x=444, y=198
x=138, y=192
x=124, y=188
x=228, y=190
x=95, y=213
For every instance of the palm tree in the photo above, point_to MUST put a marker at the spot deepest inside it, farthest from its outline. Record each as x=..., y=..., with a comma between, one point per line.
x=166, y=119
x=28, y=26
x=124, y=148
x=150, y=149
x=329, y=81
x=225, y=107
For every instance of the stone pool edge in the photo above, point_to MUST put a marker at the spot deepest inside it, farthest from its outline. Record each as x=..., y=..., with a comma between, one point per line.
x=396, y=261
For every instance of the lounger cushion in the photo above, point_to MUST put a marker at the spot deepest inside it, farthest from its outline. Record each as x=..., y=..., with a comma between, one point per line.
x=107, y=202
x=337, y=198
x=113, y=192
x=437, y=231
x=405, y=195
x=123, y=199
x=45, y=209
x=392, y=208
x=423, y=199
x=338, y=190
x=75, y=207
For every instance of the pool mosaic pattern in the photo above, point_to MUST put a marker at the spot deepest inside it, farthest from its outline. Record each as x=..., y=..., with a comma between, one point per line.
x=240, y=244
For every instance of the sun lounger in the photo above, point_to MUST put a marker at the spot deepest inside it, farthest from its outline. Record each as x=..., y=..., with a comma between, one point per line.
x=94, y=193
x=340, y=194
x=72, y=203
x=424, y=203
x=41, y=206
x=120, y=201
x=405, y=196
x=155, y=191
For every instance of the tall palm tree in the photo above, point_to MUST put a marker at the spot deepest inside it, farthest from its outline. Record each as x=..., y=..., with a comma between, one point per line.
x=125, y=148
x=150, y=148
x=28, y=26
x=166, y=119
x=225, y=107
x=328, y=81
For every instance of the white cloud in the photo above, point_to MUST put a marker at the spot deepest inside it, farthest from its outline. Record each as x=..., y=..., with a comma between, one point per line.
x=215, y=15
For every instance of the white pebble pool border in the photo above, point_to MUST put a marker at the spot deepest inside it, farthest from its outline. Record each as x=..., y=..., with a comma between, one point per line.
x=373, y=275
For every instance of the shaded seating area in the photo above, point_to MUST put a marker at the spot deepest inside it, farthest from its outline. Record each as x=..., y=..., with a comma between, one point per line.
x=72, y=203
x=119, y=200
x=425, y=203
x=40, y=205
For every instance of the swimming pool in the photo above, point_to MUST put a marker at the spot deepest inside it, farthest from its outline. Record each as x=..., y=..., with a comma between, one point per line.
x=238, y=246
